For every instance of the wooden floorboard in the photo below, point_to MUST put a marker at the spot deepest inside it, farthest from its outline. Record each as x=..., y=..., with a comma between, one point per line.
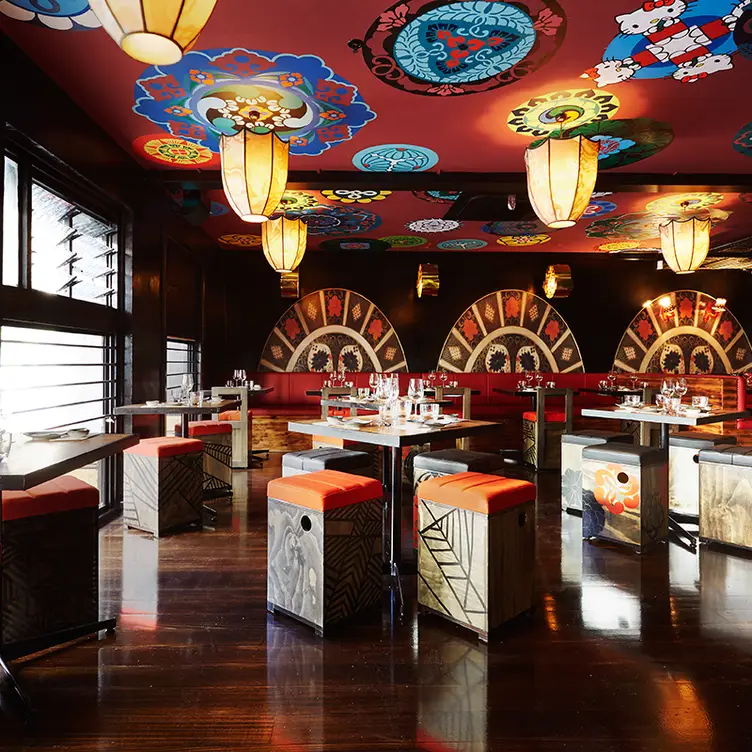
x=622, y=653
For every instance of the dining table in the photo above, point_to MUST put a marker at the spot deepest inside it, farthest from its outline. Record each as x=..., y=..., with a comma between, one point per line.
x=186, y=411
x=392, y=439
x=28, y=464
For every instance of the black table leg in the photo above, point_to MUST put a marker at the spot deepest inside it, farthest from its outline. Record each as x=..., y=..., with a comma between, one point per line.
x=664, y=436
x=395, y=524
x=13, y=701
x=184, y=421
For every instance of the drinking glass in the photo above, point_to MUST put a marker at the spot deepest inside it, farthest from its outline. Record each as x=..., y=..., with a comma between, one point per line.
x=674, y=405
x=700, y=401
x=550, y=385
x=373, y=379
x=406, y=409
x=538, y=378
x=633, y=380
x=681, y=387
x=443, y=376
x=611, y=380
x=363, y=392
x=385, y=415
x=415, y=389
x=529, y=375
x=660, y=402
x=429, y=411
x=432, y=379
x=667, y=388
x=6, y=438
x=603, y=385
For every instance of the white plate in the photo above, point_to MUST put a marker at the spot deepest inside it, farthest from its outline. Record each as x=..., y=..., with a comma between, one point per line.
x=44, y=435
x=152, y=403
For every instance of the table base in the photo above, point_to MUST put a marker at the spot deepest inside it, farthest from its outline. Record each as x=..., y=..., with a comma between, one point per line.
x=22, y=648
x=13, y=702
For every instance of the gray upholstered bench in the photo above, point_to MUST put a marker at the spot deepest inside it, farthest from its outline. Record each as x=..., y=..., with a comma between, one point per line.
x=328, y=458
x=572, y=445
x=726, y=495
x=684, y=470
x=625, y=494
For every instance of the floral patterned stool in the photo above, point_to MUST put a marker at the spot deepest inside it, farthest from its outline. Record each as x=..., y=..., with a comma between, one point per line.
x=542, y=448
x=217, y=440
x=684, y=468
x=726, y=495
x=449, y=462
x=163, y=484
x=327, y=458
x=324, y=546
x=572, y=445
x=625, y=494
x=476, y=549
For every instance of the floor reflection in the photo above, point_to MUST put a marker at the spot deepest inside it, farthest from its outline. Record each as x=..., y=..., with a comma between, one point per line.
x=140, y=595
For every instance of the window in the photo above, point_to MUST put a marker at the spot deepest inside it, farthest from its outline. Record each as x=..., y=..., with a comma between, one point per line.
x=11, y=225
x=183, y=358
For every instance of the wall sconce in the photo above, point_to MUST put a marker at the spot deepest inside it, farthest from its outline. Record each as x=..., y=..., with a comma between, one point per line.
x=558, y=281
x=289, y=284
x=668, y=308
x=713, y=310
x=428, y=281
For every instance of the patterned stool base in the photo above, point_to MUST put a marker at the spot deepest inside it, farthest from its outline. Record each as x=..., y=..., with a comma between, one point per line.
x=217, y=465
x=550, y=457
x=726, y=505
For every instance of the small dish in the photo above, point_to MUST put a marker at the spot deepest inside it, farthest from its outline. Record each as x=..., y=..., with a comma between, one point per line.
x=332, y=421
x=256, y=387
x=77, y=433
x=44, y=435
x=152, y=403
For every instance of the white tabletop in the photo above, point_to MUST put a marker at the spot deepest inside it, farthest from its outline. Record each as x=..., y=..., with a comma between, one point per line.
x=645, y=416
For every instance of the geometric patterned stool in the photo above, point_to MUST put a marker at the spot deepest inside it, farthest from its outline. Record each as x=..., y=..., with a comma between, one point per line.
x=625, y=494
x=324, y=546
x=242, y=435
x=572, y=445
x=326, y=458
x=548, y=456
x=726, y=495
x=50, y=578
x=684, y=470
x=163, y=484
x=476, y=550
x=217, y=440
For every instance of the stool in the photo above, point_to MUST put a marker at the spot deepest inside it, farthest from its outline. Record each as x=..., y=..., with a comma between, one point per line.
x=50, y=576
x=328, y=458
x=448, y=462
x=242, y=437
x=684, y=470
x=476, y=550
x=163, y=484
x=324, y=546
x=572, y=445
x=216, y=437
x=726, y=495
x=625, y=494
x=546, y=457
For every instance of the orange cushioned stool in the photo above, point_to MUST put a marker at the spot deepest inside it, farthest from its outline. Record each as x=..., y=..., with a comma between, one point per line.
x=50, y=552
x=163, y=484
x=476, y=548
x=324, y=555
x=541, y=445
x=242, y=436
x=216, y=437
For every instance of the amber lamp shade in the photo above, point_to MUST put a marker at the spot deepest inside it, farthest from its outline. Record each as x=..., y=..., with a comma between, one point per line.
x=254, y=173
x=685, y=243
x=428, y=281
x=561, y=175
x=284, y=243
x=156, y=32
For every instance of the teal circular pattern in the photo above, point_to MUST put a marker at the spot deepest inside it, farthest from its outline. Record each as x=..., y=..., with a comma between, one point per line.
x=743, y=140
x=395, y=158
x=461, y=244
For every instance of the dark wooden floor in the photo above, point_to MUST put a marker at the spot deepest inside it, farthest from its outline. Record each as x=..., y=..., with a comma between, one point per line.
x=649, y=654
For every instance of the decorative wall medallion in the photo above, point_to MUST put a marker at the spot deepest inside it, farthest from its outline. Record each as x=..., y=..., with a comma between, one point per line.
x=461, y=244
x=521, y=227
x=601, y=194
x=63, y=15
x=331, y=328
x=173, y=151
x=596, y=208
x=438, y=197
x=743, y=140
x=688, y=341
x=294, y=201
x=687, y=41
x=225, y=91
x=746, y=197
x=538, y=116
x=511, y=331
x=339, y=220
x=217, y=209
x=355, y=197
x=518, y=240
x=395, y=158
x=433, y=225
x=673, y=203
x=353, y=244
x=636, y=226
x=237, y=240
x=404, y=241
x=623, y=245
x=743, y=33
x=458, y=48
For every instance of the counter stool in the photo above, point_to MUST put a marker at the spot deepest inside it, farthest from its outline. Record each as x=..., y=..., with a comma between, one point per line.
x=625, y=494
x=684, y=470
x=449, y=462
x=547, y=456
x=242, y=439
x=324, y=546
x=50, y=576
x=163, y=484
x=572, y=445
x=216, y=437
x=726, y=495
x=476, y=549
x=326, y=458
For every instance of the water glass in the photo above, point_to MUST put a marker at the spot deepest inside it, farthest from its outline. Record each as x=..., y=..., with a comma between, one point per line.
x=415, y=389
x=6, y=439
x=603, y=385
x=660, y=402
x=364, y=392
x=674, y=405
x=385, y=415
x=550, y=385
x=373, y=380
x=197, y=398
x=700, y=402
x=429, y=411
x=405, y=409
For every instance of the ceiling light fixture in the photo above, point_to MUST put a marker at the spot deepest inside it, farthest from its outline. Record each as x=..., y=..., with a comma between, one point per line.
x=156, y=32
x=284, y=243
x=254, y=173
x=685, y=242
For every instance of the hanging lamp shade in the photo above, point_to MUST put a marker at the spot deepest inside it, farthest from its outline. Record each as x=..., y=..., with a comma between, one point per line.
x=157, y=32
x=561, y=176
x=685, y=243
x=284, y=243
x=254, y=173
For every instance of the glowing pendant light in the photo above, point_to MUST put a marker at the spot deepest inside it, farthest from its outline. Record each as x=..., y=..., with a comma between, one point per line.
x=561, y=176
x=284, y=243
x=685, y=243
x=254, y=173
x=157, y=32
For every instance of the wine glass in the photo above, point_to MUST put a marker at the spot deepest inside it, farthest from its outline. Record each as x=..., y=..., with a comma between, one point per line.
x=667, y=389
x=633, y=380
x=414, y=387
x=611, y=379
x=680, y=387
x=529, y=375
x=431, y=379
x=443, y=376
x=538, y=378
x=373, y=380
x=186, y=385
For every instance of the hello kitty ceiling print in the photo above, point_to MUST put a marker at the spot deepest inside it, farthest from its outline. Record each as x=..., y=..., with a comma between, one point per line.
x=687, y=40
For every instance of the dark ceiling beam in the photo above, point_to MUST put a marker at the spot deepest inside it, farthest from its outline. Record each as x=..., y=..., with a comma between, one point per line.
x=476, y=182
